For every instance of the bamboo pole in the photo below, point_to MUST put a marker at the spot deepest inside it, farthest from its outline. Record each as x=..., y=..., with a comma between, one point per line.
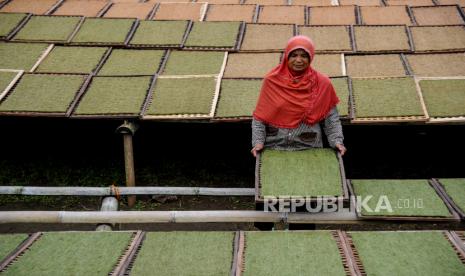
x=112, y=217
x=107, y=191
x=129, y=166
x=128, y=129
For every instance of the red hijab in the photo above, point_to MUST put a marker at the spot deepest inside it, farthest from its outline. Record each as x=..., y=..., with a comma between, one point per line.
x=286, y=100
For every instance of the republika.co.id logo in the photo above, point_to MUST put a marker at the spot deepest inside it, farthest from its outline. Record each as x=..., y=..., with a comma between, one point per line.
x=367, y=204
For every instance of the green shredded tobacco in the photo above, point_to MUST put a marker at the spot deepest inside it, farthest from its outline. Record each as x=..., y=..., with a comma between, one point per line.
x=213, y=34
x=132, y=62
x=375, y=66
x=48, y=28
x=444, y=98
x=342, y=90
x=407, y=253
x=99, y=30
x=72, y=60
x=194, y=63
x=42, y=93
x=9, y=21
x=381, y=38
x=445, y=65
x=9, y=242
x=5, y=79
x=455, y=188
x=182, y=96
x=114, y=95
x=406, y=197
x=20, y=56
x=72, y=253
x=291, y=253
x=386, y=97
x=328, y=38
x=185, y=253
x=313, y=172
x=238, y=97
x=159, y=33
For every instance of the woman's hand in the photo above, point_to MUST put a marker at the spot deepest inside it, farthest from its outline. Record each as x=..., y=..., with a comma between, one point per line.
x=341, y=149
x=256, y=149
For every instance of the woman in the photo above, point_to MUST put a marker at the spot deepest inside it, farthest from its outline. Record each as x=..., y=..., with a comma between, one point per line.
x=293, y=101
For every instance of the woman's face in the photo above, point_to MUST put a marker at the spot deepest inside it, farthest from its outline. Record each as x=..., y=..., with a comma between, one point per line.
x=298, y=60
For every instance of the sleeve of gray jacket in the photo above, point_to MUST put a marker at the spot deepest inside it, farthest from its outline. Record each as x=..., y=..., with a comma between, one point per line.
x=258, y=132
x=333, y=128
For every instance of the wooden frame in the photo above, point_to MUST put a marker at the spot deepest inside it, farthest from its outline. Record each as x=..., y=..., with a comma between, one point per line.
x=458, y=240
x=12, y=83
x=453, y=215
x=445, y=196
x=13, y=256
x=129, y=255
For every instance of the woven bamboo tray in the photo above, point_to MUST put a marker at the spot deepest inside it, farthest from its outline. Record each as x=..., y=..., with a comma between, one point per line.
x=345, y=191
x=453, y=215
x=73, y=110
x=18, y=27
x=390, y=119
x=235, y=47
x=137, y=256
x=14, y=258
x=359, y=265
x=61, y=41
x=45, y=113
x=128, y=36
x=347, y=262
x=5, y=91
x=442, y=119
x=179, y=45
x=218, y=118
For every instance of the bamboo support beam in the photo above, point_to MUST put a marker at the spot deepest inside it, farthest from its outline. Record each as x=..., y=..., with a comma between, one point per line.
x=107, y=191
x=129, y=166
x=128, y=129
x=112, y=217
